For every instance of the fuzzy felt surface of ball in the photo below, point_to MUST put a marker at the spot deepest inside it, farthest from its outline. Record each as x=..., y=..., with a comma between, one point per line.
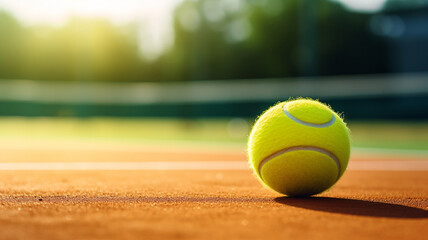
x=299, y=147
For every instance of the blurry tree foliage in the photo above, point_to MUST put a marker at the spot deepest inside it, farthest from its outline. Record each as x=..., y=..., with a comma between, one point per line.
x=213, y=39
x=404, y=4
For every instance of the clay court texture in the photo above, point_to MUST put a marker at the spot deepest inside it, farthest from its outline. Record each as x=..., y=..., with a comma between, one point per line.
x=56, y=187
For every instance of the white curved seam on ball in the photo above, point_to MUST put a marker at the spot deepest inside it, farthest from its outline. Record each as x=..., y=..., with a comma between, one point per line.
x=322, y=125
x=301, y=148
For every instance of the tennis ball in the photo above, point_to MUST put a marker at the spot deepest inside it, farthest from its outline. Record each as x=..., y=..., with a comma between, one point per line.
x=299, y=147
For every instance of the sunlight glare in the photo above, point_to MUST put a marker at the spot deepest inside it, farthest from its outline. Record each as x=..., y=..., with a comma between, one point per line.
x=364, y=5
x=154, y=18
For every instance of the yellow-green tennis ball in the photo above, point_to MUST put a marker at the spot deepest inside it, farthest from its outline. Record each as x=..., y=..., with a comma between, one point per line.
x=299, y=147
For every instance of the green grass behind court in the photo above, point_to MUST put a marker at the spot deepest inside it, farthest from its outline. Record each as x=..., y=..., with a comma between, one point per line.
x=391, y=135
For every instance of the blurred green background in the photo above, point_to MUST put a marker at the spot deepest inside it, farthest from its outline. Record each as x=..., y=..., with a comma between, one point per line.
x=205, y=39
x=202, y=70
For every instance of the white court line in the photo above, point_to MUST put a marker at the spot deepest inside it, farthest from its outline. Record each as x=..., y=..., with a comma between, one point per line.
x=410, y=165
x=202, y=165
x=389, y=151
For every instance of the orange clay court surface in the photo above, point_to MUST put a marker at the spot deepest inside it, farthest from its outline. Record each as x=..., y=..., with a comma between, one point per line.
x=54, y=191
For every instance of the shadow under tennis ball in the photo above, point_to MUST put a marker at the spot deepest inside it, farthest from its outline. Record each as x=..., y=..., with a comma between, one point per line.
x=354, y=207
